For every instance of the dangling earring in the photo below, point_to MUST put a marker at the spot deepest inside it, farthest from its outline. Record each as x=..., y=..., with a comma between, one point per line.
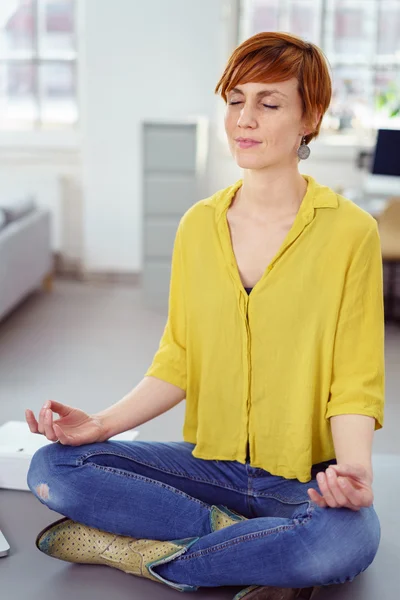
x=303, y=151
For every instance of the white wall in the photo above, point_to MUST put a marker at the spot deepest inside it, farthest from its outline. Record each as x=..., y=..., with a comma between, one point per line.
x=153, y=59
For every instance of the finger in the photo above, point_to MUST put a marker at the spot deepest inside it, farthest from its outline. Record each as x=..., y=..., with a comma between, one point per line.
x=61, y=436
x=357, y=498
x=31, y=420
x=48, y=426
x=337, y=492
x=363, y=479
x=61, y=409
x=41, y=418
x=356, y=471
x=325, y=491
x=315, y=497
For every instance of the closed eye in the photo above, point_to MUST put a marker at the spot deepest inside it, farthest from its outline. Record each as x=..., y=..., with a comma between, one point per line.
x=266, y=105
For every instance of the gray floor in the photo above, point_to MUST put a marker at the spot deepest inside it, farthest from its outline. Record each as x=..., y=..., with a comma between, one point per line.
x=87, y=345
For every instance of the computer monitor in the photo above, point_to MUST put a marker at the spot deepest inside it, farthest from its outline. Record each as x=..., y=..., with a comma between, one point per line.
x=387, y=153
x=384, y=178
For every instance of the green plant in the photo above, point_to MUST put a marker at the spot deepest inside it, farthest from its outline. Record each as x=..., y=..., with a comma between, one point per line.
x=389, y=100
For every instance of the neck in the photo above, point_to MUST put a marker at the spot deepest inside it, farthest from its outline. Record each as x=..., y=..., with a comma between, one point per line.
x=277, y=193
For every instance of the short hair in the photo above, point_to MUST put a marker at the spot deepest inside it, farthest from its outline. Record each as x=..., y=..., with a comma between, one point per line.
x=273, y=56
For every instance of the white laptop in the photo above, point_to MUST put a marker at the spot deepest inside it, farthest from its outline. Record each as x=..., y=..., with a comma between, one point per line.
x=4, y=547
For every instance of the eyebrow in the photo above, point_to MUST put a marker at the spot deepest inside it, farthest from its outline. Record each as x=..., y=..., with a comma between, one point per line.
x=262, y=93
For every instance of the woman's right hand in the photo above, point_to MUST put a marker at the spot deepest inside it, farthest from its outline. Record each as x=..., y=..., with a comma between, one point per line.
x=73, y=428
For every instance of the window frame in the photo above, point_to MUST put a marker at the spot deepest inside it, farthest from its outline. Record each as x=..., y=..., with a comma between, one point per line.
x=37, y=134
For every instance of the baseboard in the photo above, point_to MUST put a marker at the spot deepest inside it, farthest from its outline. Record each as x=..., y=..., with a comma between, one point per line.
x=65, y=267
x=124, y=278
x=72, y=269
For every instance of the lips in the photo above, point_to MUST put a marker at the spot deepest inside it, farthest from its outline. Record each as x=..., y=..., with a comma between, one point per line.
x=246, y=143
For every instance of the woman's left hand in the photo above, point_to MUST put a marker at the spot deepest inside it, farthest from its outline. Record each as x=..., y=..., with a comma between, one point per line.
x=344, y=485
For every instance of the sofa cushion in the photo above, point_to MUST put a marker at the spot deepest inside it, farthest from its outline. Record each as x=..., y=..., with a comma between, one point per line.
x=3, y=219
x=17, y=207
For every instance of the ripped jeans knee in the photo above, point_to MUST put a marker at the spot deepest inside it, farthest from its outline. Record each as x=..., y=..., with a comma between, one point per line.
x=43, y=491
x=40, y=475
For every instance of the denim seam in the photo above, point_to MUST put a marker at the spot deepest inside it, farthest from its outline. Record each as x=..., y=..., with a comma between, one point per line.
x=81, y=459
x=244, y=538
x=250, y=536
x=247, y=492
x=280, y=498
x=143, y=478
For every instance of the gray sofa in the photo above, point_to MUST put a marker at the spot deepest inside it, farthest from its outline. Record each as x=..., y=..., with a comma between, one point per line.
x=25, y=250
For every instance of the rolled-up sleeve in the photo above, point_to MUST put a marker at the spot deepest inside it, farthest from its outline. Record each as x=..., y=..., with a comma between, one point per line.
x=169, y=362
x=358, y=374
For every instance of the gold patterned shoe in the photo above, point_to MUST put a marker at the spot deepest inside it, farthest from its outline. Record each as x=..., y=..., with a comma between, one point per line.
x=74, y=542
x=221, y=517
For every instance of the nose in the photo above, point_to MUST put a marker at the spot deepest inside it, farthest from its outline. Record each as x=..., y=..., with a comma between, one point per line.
x=246, y=117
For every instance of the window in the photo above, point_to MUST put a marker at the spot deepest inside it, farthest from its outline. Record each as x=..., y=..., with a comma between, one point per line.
x=38, y=64
x=360, y=38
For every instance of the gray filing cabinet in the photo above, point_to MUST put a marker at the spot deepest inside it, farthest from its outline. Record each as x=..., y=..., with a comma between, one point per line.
x=174, y=167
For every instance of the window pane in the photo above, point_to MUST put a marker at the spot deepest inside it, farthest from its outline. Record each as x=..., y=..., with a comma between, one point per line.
x=350, y=26
x=301, y=17
x=57, y=29
x=17, y=28
x=58, y=94
x=264, y=16
x=387, y=97
x=304, y=20
x=389, y=29
x=18, y=106
x=352, y=97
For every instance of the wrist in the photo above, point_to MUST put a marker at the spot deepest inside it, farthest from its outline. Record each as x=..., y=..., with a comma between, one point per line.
x=368, y=468
x=104, y=422
x=369, y=473
x=371, y=476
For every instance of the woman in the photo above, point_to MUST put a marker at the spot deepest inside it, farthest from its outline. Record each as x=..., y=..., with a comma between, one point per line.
x=275, y=337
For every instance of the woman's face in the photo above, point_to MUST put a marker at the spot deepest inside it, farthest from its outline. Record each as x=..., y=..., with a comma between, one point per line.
x=269, y=114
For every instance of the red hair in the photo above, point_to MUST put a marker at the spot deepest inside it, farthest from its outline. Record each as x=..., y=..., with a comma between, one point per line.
x=273, y=56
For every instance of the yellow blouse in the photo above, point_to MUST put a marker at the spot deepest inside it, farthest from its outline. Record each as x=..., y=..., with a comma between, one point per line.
x=272, y=367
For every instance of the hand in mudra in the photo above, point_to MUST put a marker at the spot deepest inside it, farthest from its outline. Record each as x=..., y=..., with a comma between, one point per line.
x=344, y=486
x=73, y=428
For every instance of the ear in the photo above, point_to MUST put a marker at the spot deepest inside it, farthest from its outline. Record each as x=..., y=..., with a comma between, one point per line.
x=317, y=117
x=311, y=125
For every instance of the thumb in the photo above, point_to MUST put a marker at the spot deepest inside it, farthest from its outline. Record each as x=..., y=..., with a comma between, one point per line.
x=354, y=470
x=68, y=439
x=64, y=438
x=61, y=409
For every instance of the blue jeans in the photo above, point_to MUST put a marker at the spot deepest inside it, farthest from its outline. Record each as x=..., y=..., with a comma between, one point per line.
x=160, y=491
